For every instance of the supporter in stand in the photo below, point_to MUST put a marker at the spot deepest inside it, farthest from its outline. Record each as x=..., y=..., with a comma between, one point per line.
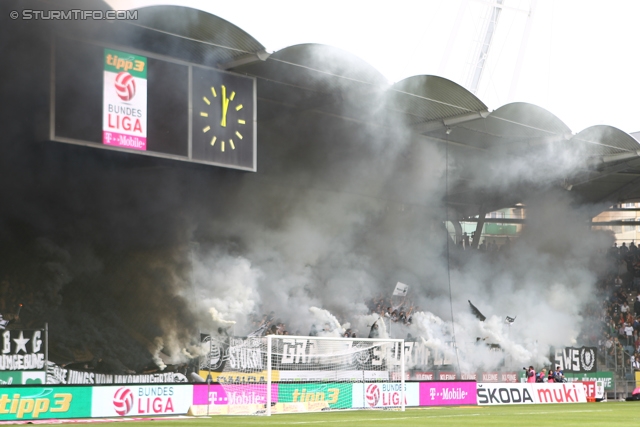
x=559, y=375
x=624, y=307
x=613, y=251
x=542, y=376
x=624, y=250
x=531, y=375
x=374, y=332
x=314, y=331
x=551, y=376
x=628, y=330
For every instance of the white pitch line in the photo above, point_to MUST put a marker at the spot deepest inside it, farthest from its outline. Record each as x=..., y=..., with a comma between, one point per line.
x=553, y=412
x=384, y=419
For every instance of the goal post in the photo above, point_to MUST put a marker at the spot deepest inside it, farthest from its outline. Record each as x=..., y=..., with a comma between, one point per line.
x=332, y=373
x=284, y=374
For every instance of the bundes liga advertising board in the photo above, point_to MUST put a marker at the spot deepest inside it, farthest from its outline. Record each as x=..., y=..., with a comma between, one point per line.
x=384, y=394
x=124, y=111
x=144, y=400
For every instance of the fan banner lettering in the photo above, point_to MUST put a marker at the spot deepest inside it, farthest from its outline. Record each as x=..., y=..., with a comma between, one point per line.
x=23, y=350
x=575, y=359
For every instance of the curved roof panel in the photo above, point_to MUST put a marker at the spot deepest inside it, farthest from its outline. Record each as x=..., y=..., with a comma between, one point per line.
x=427, y=98
x=524, y=119
x=315, y=67
x=313, y=77
x=198, y=25
x=203, y=37
x=605, y=140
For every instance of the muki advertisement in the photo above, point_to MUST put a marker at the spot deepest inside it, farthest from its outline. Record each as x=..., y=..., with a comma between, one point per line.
x=124, y=110
x=530, y=393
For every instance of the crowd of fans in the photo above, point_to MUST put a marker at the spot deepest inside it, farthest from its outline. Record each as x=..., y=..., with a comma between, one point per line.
x=618, y=316
x=399, y=311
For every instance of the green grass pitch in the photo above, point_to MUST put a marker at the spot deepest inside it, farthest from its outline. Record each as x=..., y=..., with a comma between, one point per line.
x=616, y=414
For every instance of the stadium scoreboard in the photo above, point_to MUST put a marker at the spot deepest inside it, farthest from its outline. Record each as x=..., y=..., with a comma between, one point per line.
x=124, y=99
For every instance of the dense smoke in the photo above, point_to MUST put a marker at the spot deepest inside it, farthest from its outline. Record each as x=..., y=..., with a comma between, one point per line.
x=129, y=258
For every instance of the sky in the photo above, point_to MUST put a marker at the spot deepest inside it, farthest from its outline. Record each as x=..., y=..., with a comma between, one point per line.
x=575, y=58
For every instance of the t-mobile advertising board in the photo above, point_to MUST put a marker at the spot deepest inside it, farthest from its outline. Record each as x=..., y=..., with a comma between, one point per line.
x=141, y=400
x=530, y=393
x=227, y=399
x=124, y=110
x=233, y=394
x=447, y=393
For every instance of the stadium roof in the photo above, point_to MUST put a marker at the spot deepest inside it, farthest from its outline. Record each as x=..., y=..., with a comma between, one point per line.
x=326, y=80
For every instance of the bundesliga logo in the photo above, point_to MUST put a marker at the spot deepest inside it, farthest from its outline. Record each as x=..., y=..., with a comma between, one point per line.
x=123, y=401
x=125, y=86
x=372, y=394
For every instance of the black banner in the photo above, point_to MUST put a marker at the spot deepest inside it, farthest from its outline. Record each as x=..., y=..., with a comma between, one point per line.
x=574, y=359
x=249, y=354
x=23, y=350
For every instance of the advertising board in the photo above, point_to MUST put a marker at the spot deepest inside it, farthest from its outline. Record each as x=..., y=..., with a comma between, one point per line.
x=603, y=376
x=32, y=403
x=233, y=394
x=530, y=393
x=124, y=110
x=337, y=395
x=447, y=393
x=114, y=401
x=594, y=389
x=21, y=377
x=369, y=395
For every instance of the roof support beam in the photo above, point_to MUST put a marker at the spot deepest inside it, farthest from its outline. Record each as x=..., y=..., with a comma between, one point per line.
x=432, y=125
x=482, y=212
x=247, y=58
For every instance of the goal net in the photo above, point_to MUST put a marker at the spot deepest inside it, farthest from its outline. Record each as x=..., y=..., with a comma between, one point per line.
x=286, y=374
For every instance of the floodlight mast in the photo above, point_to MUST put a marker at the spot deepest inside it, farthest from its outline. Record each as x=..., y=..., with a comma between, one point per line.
x=478, y=68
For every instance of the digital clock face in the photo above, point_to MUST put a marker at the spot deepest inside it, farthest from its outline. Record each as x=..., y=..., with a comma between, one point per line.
x=223, y=118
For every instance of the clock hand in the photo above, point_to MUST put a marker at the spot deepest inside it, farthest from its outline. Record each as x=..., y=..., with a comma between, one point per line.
x=225, y=107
